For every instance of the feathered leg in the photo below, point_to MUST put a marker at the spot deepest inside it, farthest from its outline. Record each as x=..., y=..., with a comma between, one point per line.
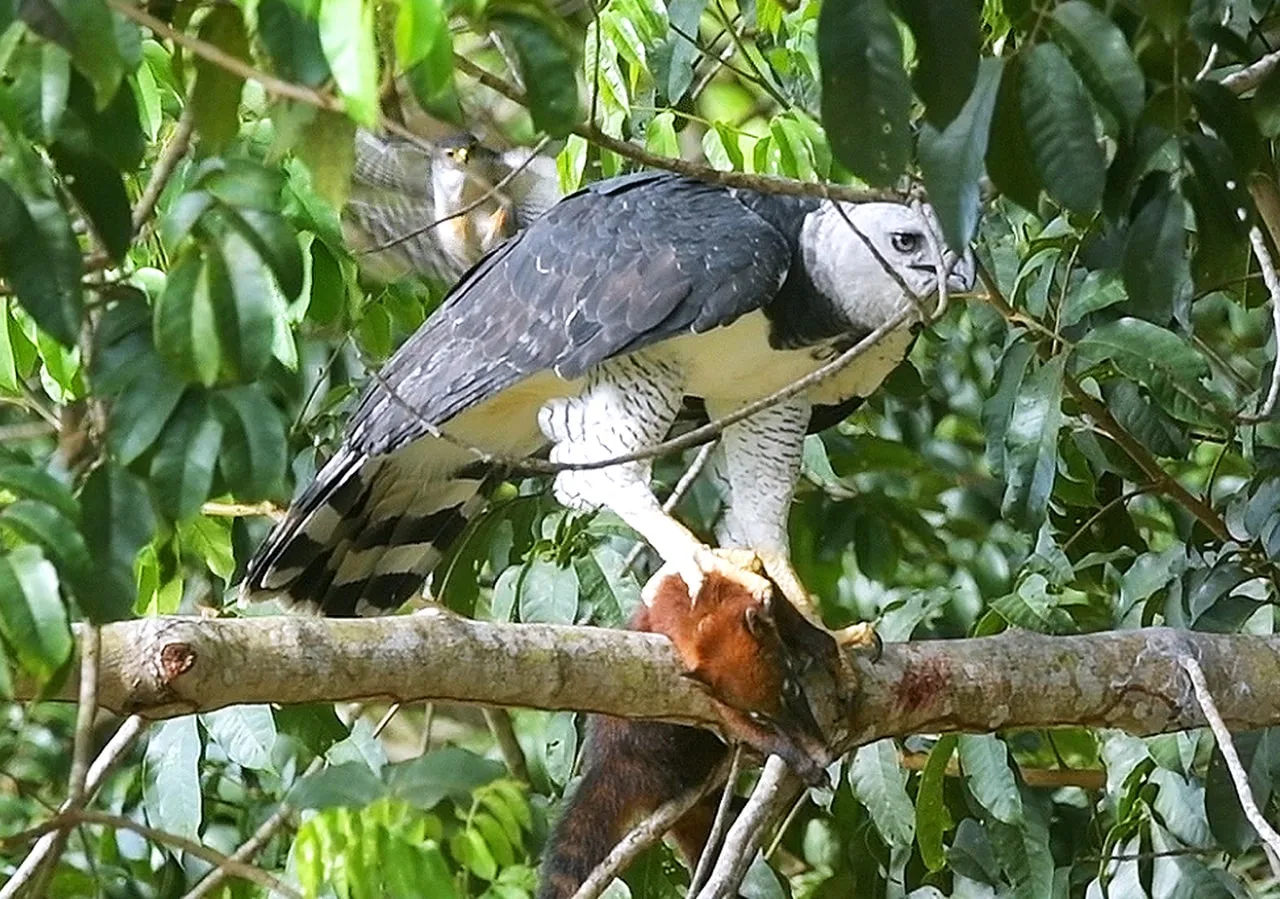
x=761, y=458
x=626, y=405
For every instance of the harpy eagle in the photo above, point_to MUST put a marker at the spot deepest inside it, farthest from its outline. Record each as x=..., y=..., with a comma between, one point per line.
x=431, y=210
x=585, y=332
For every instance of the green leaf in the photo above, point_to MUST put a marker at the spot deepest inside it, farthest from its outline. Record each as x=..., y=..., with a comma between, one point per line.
x=932, y=818
x=546, y=67
x=1031, y=607
x=277, y=243
x=293, y=40
x=1031, y=445
x=865, y=94
x=674, y=60
x=328, y=151
x=23, y=480
x=99, y=190
x=1227, y=821
x=56, y=534
x=55, y=87
x=952, y=161
x=948, y=37
x=985, y=762
x=1009, y=160
x=347, y=38
x=880, y=784
x=1060, y=132
x=246, y=733
x=423, y=782
x=140, y=413
x=316, y=726
x=33, y=620
x=660, y=135
x=171, y=777
x=182, y=470
x=40, y=260
x=186, y=316
x=254, y=446
x=548, y=594
x=215, y=99
x=471, y=851
x=95, y=51
x=1265, y=105
x=241, y=299
x=348, y=785
x=424, y=49
x=1159, y=360
x=117, y=522
x=1098, y=50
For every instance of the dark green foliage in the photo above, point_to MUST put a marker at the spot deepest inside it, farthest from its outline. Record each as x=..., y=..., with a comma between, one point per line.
x=1068, y=458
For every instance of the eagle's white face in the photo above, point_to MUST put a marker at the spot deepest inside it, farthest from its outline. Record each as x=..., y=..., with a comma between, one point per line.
x=845, y=269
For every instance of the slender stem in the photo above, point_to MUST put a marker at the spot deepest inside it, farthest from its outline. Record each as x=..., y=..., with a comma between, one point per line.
x=648, y=832
x=718, y=826
x=762, y=183
x=1239, y=777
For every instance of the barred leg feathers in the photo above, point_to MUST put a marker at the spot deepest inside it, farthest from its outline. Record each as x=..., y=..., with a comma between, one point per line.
x=364, y=536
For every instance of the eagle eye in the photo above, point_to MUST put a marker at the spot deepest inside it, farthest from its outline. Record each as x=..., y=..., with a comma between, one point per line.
x=906, y=241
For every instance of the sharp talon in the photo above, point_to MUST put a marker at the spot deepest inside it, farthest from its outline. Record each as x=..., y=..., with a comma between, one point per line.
x=860, y=636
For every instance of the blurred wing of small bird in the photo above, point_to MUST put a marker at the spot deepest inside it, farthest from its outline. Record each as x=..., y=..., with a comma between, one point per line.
x=430, y=211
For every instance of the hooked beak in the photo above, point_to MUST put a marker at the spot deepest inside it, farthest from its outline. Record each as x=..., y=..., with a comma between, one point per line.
x=963, y=271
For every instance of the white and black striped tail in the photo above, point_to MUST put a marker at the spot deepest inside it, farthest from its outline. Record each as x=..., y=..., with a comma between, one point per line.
x=363, y=537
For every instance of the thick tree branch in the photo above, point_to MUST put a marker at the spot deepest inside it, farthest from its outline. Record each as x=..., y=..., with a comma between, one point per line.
x=1132, y=680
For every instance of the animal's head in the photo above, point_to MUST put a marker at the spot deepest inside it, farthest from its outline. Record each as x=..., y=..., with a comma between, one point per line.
x=463, y=168
x=752, y=656
x=847, y=247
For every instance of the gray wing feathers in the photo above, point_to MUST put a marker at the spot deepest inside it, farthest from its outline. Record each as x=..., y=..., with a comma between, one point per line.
x=609, y=270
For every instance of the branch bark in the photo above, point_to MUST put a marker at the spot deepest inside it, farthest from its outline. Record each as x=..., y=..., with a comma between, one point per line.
x=1132, y=680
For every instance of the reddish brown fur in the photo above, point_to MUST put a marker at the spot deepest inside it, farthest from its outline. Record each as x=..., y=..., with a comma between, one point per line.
x=728, y=641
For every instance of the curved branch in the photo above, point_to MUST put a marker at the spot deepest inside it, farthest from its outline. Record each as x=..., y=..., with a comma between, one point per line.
x=161, y=667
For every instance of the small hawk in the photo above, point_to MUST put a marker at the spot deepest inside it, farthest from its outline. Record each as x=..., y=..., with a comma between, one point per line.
x=585, y=333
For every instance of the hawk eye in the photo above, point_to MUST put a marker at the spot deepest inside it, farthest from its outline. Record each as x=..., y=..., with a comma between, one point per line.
x=906, y=241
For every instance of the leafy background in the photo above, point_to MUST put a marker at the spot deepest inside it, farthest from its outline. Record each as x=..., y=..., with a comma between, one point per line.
x=1086, y=445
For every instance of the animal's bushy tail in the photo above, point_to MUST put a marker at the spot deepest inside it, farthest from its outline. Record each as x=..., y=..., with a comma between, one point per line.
x=363, y=537
x=631, y=768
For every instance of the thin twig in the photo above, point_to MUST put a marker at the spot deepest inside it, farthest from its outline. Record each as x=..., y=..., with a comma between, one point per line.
x=166, y=165
x=499, y=721
x=695, y=437
x=774, y=791
x=648, y=832
x=242, y=510
x=1251, y=76
x=86, y=712
x=683, y=486
x=1227, y=747
x=252, y=846
x=718, y=826
x=239, y=869
x=233, y=64
x=96, y=775
x=1272, y=280
x=763, y=183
